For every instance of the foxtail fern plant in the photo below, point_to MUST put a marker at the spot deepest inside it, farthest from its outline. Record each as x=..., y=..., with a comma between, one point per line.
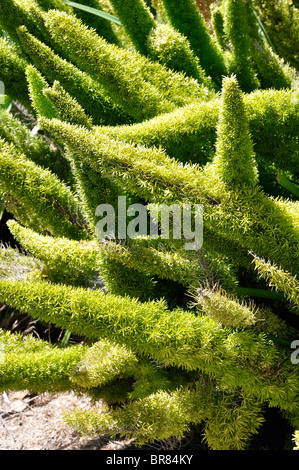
x=151, y=110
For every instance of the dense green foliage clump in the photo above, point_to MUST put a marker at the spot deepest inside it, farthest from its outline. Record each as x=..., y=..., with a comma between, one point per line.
x=282, y=24
x=138, y=106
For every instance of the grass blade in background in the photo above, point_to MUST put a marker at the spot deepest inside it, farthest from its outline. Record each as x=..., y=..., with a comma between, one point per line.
x=259, y=293
x=94, y=11
x=2, y=205
x=287, y=184
x=263, y=29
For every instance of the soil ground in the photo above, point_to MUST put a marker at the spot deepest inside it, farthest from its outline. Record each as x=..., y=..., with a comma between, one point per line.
x=34, y=422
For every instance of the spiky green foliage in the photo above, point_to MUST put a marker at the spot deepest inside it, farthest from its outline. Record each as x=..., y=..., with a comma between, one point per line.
x=68, y=261
x=164, y=264
x=156, y=415
x=108, y=157
x=169, y=338
x=57, y=4
x=190, y=133
x=160, y=42
x=14, y=13
x=242, y=421
x=80, y=85
x=234, y=160
x=237, y=30
x=17, y=265
x=103, y=27
x=279, y=279
x=225, y=310
x=182, y=407
x=146, y=169
x=271, y=70
x=136, y=17
x=102, y=363
x=185, y=17
x=247, y=49
x=174, y=338
x=172, y=49
x=142, y=87
x=23, y=182
x=36, y=84
x=281, y=21
x=12, y=72
x=218, y=25
x=138, y=97
x=40, y=150
x=36, y=365
x=67, y=107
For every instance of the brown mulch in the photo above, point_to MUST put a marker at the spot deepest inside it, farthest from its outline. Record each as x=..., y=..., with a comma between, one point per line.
x=34, y=422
